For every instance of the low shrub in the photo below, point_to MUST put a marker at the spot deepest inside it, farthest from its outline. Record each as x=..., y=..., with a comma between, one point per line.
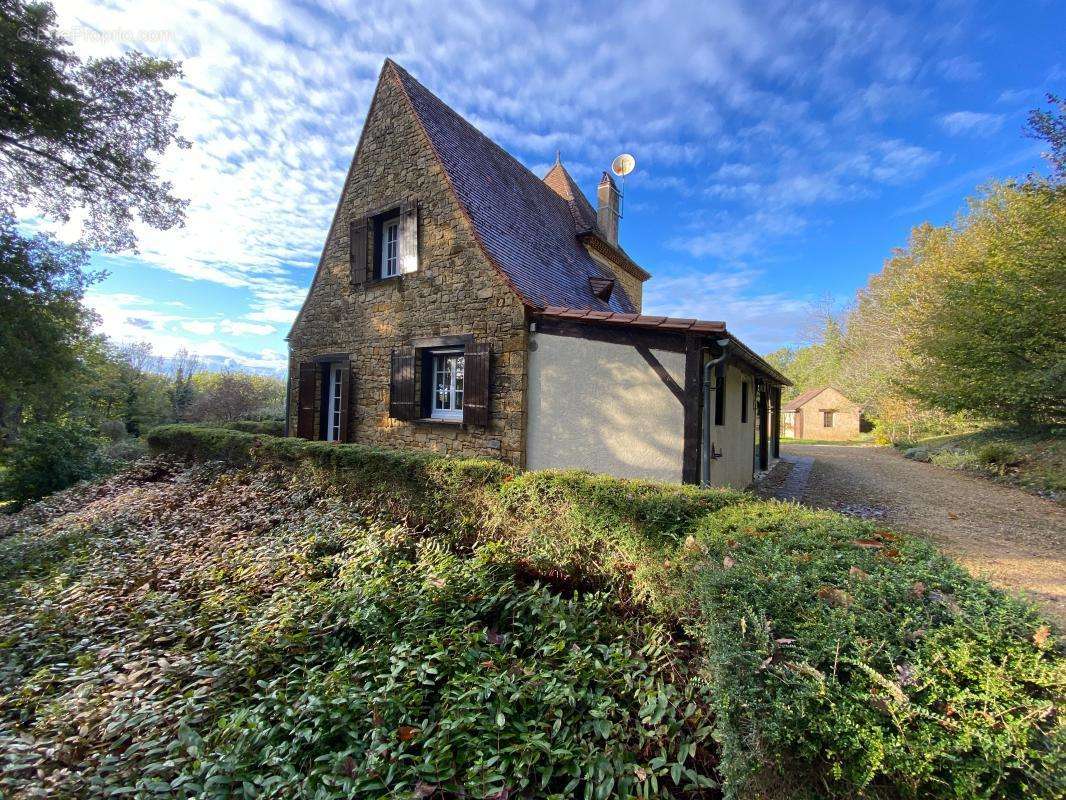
x=48, y=457
x=997, y=456
x=120, y=454
x=264, y=427
x=917, y=454
x=954, y=459
x=328, y=607
x=114, y=430
x=848, y=662
x=252, y=633
x=445, y=677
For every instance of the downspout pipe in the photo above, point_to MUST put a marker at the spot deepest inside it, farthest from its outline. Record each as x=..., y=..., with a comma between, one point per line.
x=706, y=444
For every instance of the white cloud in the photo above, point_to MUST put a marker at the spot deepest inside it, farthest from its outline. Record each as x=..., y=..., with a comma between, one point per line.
x=762, y=315
x=778, y=105
x=238, y=328
x=128, y=318
x=971, y=123
x=199, y=327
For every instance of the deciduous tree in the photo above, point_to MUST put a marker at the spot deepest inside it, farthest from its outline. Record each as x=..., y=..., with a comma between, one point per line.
x=83, y=134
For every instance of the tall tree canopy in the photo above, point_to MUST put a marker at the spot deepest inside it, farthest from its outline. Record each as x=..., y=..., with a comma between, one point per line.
x=1050, y=126
x=83, y=134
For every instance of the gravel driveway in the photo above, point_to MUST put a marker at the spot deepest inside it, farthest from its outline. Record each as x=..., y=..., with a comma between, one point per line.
x=1016, y=540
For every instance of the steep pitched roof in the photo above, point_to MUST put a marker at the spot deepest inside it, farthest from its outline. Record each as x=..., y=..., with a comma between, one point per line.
x=527, y=230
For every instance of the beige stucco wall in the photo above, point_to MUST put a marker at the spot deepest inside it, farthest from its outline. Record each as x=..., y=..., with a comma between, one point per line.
x=735, y=439
x=600, y=406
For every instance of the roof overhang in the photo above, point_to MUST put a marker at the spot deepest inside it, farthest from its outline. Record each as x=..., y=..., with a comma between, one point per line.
x=711, y=331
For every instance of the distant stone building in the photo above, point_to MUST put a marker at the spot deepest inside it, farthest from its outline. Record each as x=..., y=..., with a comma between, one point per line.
x=822, y=413
x=466, y=306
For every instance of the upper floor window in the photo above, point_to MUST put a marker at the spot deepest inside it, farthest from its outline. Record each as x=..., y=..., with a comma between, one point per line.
x=390, y=247
x=827, y=419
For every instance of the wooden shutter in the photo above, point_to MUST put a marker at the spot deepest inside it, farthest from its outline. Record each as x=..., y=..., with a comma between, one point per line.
x=305, y=401
x=402, y=386
x=345, y=368
x=719, y=394
x=357, y=250
x=476, y=388
x=409, y=237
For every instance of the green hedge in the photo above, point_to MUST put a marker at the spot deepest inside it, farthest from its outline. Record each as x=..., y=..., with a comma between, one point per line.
x=843, y=661
x=849, y=662
x=266, y=427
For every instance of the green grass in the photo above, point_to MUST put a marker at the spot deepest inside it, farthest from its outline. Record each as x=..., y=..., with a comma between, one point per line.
x=1034, y=461
x=277, y=618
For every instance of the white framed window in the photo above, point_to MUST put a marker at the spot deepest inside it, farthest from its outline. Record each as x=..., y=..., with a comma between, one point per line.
x=391, y=231
x=333, y=410
x=448, y=381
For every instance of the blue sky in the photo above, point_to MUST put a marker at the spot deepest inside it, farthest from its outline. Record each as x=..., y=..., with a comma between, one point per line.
x=783, y=149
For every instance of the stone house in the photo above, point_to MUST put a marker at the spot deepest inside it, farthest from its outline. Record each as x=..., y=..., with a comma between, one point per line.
x=464, y=305
x=822, y=413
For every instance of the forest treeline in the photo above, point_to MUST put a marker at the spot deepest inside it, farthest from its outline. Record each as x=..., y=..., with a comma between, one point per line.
x=966, y=323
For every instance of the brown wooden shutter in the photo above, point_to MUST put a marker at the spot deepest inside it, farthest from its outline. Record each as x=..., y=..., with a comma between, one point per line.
x=357, y=249
x=345, y=368
x=402, y=386
x=305, y=401
x=476, y=388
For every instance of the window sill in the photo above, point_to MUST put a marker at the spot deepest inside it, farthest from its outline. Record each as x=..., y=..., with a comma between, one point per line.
x=383, y=281
x=438, y=421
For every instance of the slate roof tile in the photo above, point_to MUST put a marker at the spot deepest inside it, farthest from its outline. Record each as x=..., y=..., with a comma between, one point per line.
x=528, y=230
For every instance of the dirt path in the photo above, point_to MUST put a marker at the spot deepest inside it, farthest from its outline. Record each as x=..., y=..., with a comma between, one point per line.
x=1016, y=540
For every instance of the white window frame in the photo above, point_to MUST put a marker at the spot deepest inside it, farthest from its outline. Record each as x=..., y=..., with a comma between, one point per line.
x=391, y=261
x=447, y=388
x=333, y=409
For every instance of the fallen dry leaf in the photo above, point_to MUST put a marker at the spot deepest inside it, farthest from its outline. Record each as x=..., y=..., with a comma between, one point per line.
x=728, y=562
x=835, y=597
x=856, y=572
x=918, y=589
x=952, y=515
x=1041, y=635
x=869, y=544
x=407, y=733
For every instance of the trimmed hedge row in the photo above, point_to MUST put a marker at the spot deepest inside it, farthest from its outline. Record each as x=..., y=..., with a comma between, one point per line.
x=266, y=427
x=844, y=661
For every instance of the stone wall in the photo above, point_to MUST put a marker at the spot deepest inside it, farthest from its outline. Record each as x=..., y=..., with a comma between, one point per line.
x=455, y=291
x=846, y=417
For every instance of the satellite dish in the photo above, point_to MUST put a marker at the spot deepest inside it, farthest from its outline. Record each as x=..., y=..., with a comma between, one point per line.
x=623, y=165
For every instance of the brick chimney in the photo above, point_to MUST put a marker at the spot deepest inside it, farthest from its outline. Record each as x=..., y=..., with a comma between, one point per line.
x=609, y=210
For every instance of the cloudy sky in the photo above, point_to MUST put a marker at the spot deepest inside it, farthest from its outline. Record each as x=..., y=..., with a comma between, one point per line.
x=783, y=149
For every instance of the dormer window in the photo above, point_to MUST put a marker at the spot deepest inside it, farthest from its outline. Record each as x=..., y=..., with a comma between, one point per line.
x=390, y=247
x=602, y=287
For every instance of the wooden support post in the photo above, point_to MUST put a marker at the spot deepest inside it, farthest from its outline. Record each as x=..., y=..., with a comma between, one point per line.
x=776, y=423
x=764, y=426
x=690, y=459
